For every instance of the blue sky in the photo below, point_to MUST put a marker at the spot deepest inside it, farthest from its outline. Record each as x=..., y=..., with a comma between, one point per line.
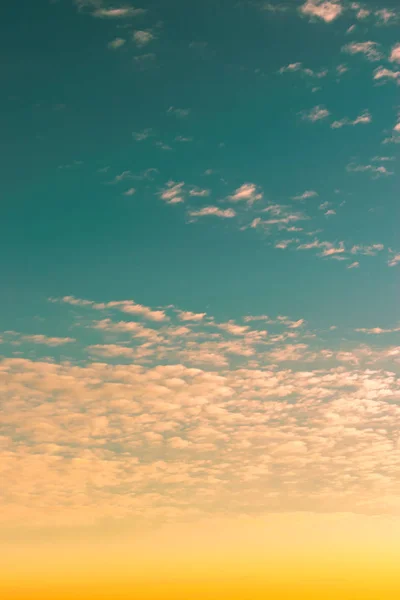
x=210, y=185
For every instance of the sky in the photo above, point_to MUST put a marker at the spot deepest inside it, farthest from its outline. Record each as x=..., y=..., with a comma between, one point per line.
x=199, y=324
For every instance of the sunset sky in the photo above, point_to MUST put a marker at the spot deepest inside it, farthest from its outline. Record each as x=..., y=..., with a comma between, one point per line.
x=199, y=324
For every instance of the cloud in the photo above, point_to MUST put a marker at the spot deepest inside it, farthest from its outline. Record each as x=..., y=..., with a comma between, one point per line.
x=371, y=250
x=395, y=54
x=386, y=16
x=377, y=330
x=328, y=249
x=111, y=351
x=394, y=259
x=140, y=136
x=130, y=192
x=363, y=119
x=186, y=315
x=41, y=339
x=322, y=9
x=126, y=306
x=142, y=38
x=116, y=43
x=118, y=13
x=354, y=265
x=180, y=113
x=197, y=192
x=248, y=192
x=318, y=113
x=377, y=171
x=298, y=67
x=383, y=73
x=369, y=49
x=213, y=211
x=305, y=195
x=172, y=194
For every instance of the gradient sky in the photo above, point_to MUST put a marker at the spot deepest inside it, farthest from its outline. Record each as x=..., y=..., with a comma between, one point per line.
x=199, y=257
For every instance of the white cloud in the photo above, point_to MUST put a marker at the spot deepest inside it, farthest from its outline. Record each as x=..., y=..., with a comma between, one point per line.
x=118, y=13
x=130, y=192
x=199, y=193
x=369, y=49
x=116, y=43
x=140, y=136
x=213, y=211
x=41, y=339
x=394, y=259
x=111, y=351
x=371, y=250
x=247, y=192
x=383, y=73
x=298, y=66
x=318, y=113
x=323, y=9
x=181, y=113
x=354, y=265
x=172, y=194
x=377, y=171
x=363, y=118
x=125, y=306
x=187, y=315
x=386, y=16
x=142, y=38
x=305, y=195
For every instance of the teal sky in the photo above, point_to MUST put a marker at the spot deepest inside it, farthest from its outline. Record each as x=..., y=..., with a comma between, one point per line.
x=227, y=159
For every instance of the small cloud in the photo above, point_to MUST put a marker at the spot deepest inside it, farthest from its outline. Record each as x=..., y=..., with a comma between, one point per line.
x=341, y=69
x=394, y=260
x=305, y=195
x=140, y=136
x=298, y=66
x=182, y=139
x=116, y=43
x=130, y=192
x=383, y=73
x=322, y=9
x=145, y=61
x=118, y=13
x=274, y=8
x=123, y=176
x=111, y=351
x=363, y=118
x=352, y=168
x=397, y=127
x=386, y=16
x=367, y=250
x=247, y=192
x=199, y=193
x=180, y=113
x=214, y=211
x=173, y=193
x=142, y=38
x=187, y=315
x=369, y=49
x=354, y=265
x=318, y=113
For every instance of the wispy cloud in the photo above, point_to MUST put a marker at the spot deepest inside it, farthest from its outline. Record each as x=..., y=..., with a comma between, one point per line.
x=248, y=192
x=173, y=193
x=322, y=9
x=116, y=43
x=377, y=171
x=362, y=119
x=305, y=195
x=395, y=54
x=298, y=67
x=180, y=113
x=142, y=38
x=369, y=49
x=213, y=211
x=123, y=12
x=318, y=113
